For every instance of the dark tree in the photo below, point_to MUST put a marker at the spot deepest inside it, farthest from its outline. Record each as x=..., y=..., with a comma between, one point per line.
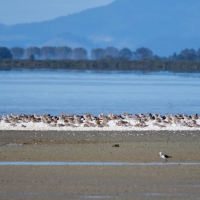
x=125, y=54
x=97, y=54
x=31, y=57
x=111, y=52
x=188, y=54
x=143, y=52
x=17, y=52
x=5, y=53
x=79, y=54
x=33, y=51
x=198, y=54
x=48, y=52
x=63, y=52
x=173, y=57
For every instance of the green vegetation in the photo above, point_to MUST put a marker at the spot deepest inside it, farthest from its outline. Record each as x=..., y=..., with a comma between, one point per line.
x=143, y=65
x=5, y=53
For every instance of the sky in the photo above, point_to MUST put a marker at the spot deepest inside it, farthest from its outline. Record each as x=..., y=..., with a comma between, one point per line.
x=26, y=11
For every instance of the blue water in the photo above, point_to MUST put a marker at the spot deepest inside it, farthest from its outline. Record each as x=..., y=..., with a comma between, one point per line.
x=60, y=91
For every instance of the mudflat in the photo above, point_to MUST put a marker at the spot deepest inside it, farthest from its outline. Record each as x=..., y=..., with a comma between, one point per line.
x=100, y=182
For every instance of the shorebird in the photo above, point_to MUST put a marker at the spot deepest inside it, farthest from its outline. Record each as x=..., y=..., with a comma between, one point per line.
x=164, y=156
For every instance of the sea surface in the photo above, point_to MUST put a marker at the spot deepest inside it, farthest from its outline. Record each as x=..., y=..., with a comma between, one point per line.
x=62, y=91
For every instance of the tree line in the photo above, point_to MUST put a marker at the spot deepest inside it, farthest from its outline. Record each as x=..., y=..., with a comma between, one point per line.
x=142, y=65
x=109, y=53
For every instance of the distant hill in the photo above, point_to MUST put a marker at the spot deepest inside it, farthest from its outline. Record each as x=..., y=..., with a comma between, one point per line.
x=70, y=40
x=163, y=26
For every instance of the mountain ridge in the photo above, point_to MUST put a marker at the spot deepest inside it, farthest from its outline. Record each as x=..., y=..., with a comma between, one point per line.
x=164, y=27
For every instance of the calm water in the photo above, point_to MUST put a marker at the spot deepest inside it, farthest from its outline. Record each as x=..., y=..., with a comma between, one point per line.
x=25, y=163
x=53, y=92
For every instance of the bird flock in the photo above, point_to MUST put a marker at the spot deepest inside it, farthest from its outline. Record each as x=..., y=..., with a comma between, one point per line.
x=102, y=120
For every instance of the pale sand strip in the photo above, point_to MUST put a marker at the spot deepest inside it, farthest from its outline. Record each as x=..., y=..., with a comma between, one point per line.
x=80, y=124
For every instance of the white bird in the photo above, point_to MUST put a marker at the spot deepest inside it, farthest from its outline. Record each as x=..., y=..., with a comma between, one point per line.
x=164, y=156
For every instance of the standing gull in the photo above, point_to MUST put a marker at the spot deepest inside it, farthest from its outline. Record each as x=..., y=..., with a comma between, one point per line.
x=164, y=156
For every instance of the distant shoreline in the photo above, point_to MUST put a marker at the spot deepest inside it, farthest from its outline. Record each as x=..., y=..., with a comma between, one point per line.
x=103, y=65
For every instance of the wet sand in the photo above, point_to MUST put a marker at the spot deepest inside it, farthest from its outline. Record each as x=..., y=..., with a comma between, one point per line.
x=100, y=182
